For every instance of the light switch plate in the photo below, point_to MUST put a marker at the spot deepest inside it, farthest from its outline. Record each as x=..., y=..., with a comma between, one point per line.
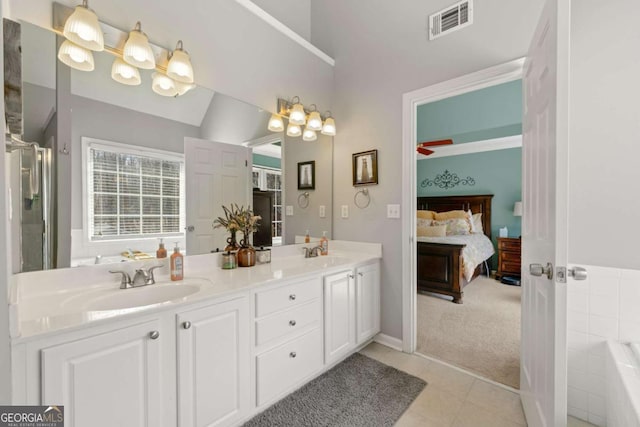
x=393, y=211
x=323, y=211
x=289, y=211
x=345, y=211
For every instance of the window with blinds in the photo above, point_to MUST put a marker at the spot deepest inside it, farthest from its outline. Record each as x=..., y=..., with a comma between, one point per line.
x=134, y=195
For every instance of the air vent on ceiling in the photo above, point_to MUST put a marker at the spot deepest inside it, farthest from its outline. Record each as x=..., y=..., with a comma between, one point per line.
x=451, y=19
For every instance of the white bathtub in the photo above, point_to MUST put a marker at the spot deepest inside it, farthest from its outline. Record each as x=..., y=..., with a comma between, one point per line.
x=623, y=384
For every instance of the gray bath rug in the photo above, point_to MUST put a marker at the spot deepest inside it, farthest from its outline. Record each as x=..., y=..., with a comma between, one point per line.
x=358, y=392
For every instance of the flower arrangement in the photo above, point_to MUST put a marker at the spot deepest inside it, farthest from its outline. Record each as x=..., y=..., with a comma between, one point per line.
x=237, y=218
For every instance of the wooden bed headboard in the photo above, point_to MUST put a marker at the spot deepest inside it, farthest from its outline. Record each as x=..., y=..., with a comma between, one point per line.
x=477, y=204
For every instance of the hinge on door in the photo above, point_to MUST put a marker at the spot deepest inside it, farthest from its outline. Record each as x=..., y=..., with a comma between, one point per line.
x=246, y=163
x=561, y=274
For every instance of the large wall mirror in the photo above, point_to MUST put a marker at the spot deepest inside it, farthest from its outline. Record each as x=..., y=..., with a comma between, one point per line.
x=116, y=165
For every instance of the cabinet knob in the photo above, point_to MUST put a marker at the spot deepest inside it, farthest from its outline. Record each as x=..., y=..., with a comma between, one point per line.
x=292, y=323
x=351, y=276
x=360, y=274
x=292, y=355
x=154, y=335
x=186, y=325
x=292, y=297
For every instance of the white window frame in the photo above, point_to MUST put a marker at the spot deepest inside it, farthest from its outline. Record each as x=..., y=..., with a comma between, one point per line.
x=262, y=184
x=98, y=144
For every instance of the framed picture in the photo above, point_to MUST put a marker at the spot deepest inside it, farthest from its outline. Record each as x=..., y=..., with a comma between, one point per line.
x=365, y=168
x=307, y=175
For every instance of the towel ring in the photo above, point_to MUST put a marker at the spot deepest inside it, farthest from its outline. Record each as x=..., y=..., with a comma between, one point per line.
x=365, y=194
x=303, y=200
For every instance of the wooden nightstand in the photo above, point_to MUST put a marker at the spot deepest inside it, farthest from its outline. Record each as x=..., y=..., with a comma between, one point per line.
x=508, y=257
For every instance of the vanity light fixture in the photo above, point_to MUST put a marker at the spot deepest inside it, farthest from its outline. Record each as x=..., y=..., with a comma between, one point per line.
x=163, y=85
x=82, y=28
x=276, y=124
x=293, y=130
x=179, y=67
x=183, y=88
x=76, y=56
x=125, y=73
x=309, y=135
x=137, y=50
x=299, y=115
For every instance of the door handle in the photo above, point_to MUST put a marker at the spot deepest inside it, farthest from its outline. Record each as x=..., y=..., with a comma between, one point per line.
x=538, y=270
x=578, y=273
x=190, y=228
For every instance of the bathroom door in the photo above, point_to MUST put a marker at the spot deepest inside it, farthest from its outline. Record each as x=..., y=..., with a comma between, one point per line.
x=216, y=174
x=543, y=367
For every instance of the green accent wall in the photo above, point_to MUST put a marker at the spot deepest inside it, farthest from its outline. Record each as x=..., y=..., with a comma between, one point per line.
x=494, y=172
x=266, y=161
x=483, y=114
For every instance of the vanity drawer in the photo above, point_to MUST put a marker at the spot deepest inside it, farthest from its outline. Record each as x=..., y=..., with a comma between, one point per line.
x=279, y=369
x=287, y=296
x=289, y=321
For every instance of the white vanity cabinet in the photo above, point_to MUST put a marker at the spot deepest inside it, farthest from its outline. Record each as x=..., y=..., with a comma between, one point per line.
x=213, y=364
x=111, y=379
x=351, y=309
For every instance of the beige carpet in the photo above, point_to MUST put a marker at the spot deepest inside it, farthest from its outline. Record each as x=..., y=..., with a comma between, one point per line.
x=481, y=335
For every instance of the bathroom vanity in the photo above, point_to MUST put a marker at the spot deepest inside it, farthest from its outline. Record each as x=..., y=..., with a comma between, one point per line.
x=212, y=350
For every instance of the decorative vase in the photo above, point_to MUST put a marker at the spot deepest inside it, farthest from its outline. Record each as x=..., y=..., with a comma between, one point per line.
x=232, y=243
x=246, y=256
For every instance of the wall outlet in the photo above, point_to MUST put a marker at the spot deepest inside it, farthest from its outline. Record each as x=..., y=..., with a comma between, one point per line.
x=345, y=211
x=289, y=211
x=323, y=211
x=393, y=211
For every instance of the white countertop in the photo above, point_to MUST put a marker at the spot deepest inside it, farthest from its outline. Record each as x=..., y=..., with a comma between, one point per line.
x=71, y=298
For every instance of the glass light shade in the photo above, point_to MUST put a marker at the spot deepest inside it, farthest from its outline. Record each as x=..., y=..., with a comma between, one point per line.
x=163, y=85
x=293, y=130
x=76, y=56
x=517, y=209
x=137, y=51
x=183, y=88
x=125, y=73
x=275, y=123
x=297, y=115
x=315, y=121
x=309, y=135
x=329, y=127
x=82, y=28
x=179, y=67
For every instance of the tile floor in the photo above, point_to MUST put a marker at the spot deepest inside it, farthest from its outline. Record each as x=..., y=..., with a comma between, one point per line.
x=453, y=398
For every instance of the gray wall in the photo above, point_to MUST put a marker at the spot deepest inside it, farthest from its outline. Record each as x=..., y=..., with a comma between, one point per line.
x=604, y=112
x=296, y=150
x=382, y=51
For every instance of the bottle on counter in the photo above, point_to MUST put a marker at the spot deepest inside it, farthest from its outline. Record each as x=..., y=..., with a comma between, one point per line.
x=324, y=244
x=177, y=264
x=161, y=252
x=307, y=237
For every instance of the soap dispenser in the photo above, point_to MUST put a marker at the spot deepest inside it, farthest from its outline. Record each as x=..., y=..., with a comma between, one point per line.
x=161, y=252
x=177, y=264
x=307, y=237
x=324, y=244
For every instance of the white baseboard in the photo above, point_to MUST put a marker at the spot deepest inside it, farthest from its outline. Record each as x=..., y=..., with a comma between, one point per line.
x=389, y=341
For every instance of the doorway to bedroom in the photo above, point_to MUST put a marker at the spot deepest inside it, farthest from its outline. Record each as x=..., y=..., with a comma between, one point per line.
x=469, y=186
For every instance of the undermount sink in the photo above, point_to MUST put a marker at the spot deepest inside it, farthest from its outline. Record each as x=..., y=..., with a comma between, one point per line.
x=142, y=296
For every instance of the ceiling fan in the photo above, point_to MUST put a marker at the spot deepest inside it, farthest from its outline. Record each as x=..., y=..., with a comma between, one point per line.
x=421, y=147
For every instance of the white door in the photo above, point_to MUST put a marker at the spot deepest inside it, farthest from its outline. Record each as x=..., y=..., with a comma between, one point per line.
x=368, y=302
x=339, y=315
x=213, y=364
x=112, y=379
x=216, y=174
x=543, y=372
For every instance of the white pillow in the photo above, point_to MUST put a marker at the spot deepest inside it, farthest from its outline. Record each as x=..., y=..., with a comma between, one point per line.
x=476, y=223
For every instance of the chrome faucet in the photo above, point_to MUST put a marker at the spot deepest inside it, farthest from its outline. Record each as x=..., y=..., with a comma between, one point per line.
x=313, y=252
x=141, y=278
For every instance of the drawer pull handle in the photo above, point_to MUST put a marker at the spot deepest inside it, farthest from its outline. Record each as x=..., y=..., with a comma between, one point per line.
x=292, y=297
x=292, y=355
x=292, y=323
x=154, y=335
x=186, y=325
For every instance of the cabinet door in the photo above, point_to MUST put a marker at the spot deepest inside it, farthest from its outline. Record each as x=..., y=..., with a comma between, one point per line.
x=213, y=364
x=368, y=302
x=112, y=379
x=339, y=315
